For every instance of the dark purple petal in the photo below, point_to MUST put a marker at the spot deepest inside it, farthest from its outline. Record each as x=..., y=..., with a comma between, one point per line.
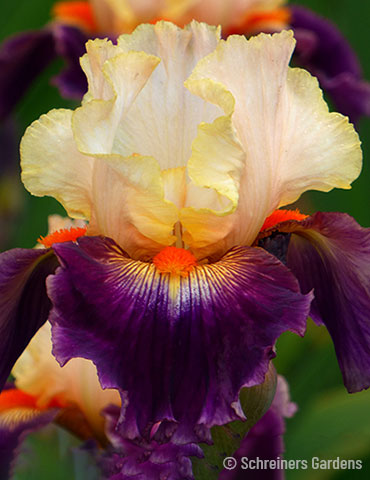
x=24, y=305
x=182, y=349
x=70, y=45
x=22, y=58
x=145, y=460
x=324, y=51
x=330, y=252
x=265, y=440
x=14, y=426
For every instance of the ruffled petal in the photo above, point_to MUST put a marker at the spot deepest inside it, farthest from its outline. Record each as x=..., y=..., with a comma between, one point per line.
x=22, y=58
x=292, y=142
x=24, y=305
x=52, y=165
x=145, y=460
x=115, y=79
x=264, y=441
x=330, y=253
x=322, y=49
x=181, y=348
x=215, y=170
x=163, y=119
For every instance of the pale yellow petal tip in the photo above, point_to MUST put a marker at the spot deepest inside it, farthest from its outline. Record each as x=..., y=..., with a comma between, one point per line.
x=95, y=48
x=260, y=40
x=202, y=27
x=31, y=141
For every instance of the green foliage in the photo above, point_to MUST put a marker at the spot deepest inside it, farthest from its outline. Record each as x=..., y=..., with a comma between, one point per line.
x=255, y=402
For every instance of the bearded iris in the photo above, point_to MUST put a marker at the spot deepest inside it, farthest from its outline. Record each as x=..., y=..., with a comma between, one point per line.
x=182, y=148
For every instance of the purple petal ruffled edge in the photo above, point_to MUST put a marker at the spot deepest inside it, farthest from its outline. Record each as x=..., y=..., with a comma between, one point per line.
x=265, y=440
x=144, y=459
x=330, y=253
x=24, y=305
x=324, y=51
x=182, y=360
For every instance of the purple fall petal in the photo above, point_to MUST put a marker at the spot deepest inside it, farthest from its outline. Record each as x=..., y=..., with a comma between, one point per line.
x=181, y=352
x=325, y=52
x=70, y=45
x=14, y=426
x=145, y=460
x=22, y=58
x=24, y=305
x=330, y=252
x=265, y=439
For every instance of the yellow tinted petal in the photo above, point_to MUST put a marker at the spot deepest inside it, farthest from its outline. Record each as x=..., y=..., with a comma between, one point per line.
x=37, y=372
x=52, y=165
x=292, y=142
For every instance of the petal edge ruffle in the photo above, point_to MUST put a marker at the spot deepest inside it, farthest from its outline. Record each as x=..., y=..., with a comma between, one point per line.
x=181, y=348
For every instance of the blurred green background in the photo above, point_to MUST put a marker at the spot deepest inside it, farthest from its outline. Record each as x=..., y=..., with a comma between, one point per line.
x=329, y=422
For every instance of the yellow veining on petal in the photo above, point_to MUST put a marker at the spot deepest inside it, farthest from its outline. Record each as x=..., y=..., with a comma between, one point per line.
x=11, y=418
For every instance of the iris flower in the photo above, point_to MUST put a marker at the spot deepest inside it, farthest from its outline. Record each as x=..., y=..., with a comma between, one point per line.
x=321, y=49
x=181, y=152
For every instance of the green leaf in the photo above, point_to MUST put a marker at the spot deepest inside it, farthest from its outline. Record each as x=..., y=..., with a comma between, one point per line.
x=337, y=424
x=255, y=402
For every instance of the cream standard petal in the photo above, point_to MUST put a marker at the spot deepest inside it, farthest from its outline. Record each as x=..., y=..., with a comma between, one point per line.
x=52, y=165
x=163, y=120
x=130, y=206
x=115, y=79
x=292, y=142
x=98, y=52
x=215, y=169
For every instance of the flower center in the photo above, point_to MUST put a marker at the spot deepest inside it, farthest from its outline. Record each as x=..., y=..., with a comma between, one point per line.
x=63, y=235
x=177, y=261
